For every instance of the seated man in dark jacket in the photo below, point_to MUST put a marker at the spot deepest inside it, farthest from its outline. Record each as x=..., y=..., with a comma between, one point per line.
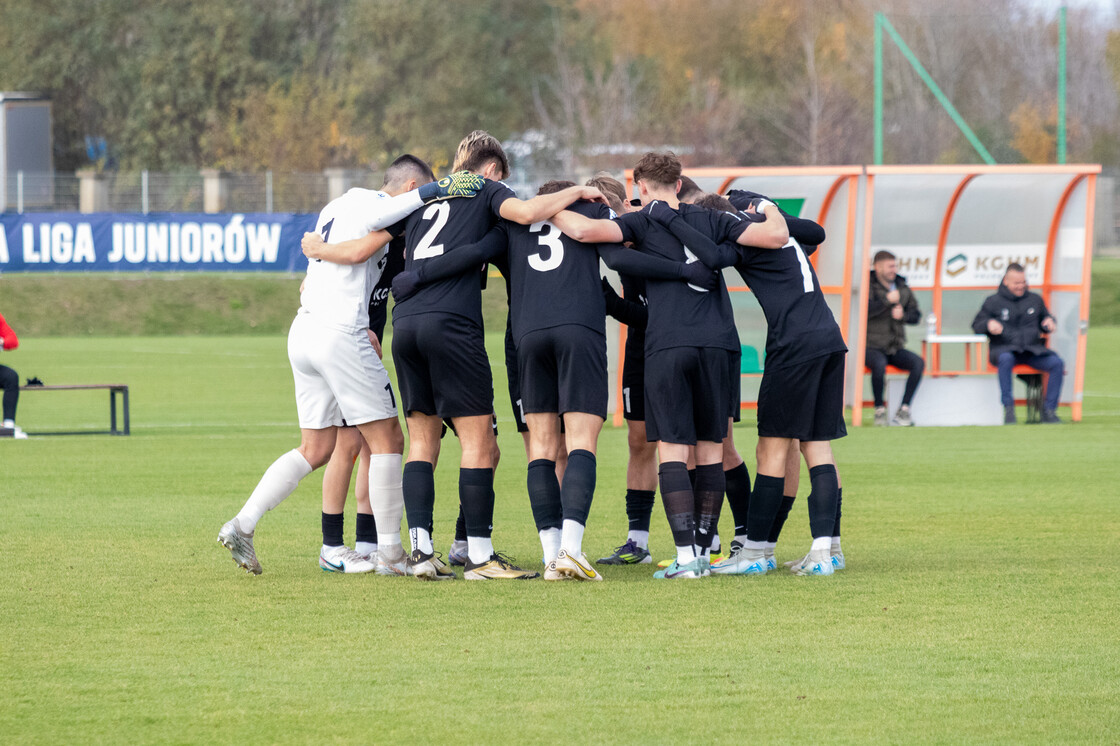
x=890, y=306
x=1014, y=320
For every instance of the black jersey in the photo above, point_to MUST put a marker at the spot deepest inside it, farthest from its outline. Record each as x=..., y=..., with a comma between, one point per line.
x=800, y=325
x=554, y=278
x=392, y=264
x=680, y=316
x=441, y=228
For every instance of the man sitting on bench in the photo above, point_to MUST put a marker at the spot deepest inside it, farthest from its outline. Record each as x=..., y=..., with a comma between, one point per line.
x=1014, y=320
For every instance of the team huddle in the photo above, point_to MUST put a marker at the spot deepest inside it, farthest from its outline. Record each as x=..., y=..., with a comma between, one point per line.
x=431, y=242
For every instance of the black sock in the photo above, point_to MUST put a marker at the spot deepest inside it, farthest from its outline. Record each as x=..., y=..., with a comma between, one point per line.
x=780, y=518
x=823, y=500
x=710, y=485
x=766, y=498
x=639, y=508
x=739, y=496
x=460, y=526
x=419, y=486
x=476, y=495
x=579, y=486
x=839, y=503
x=676, y=495
x=692, y=478
x=544, y=494
x=332, y=529
x=366, y=529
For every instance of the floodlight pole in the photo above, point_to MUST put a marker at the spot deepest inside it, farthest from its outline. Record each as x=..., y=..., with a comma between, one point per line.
x=878, y=159
x=1062, y=84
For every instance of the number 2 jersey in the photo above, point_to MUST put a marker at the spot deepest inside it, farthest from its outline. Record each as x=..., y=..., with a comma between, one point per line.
x=443, y=227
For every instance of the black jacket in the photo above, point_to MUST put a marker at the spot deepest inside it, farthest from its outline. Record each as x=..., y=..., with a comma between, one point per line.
x=884, y=332
x=1022, y=323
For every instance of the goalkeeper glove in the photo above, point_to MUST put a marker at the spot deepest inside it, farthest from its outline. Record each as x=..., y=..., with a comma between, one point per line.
x=458, y=184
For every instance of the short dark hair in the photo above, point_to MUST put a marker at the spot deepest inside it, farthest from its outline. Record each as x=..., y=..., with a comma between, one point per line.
x=658, y=168
x=689, y=189
x=554, y=186
x=1014, y=267
x=883, y=255
x=405, y=167
x=485, y=152
x=715, y=202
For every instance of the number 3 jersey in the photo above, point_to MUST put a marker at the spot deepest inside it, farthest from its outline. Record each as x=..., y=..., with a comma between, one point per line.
x=442, y=227
x=554, y=279
x=338, y=295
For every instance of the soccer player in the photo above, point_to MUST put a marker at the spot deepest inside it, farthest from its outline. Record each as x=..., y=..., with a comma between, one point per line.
x=690, y=339
x=441, y=361
x=338, y=375
x=801, y=396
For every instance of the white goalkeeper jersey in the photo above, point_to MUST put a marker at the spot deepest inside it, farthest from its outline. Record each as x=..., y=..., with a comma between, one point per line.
x=337, y=295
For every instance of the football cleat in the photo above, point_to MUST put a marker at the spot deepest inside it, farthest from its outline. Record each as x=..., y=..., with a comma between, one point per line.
x=575, y=567
x=902, y=417
x=344, y=559
x=551, y=573
x=679, y=572
x=771, y=563
x=458, y=553
x=498, y=567
x=816, y=562
x=240, y=545
x=391, y=560
x=627, y=554
x=704, y=564
x=837, y=557
x=743, y=562
x=429, y=566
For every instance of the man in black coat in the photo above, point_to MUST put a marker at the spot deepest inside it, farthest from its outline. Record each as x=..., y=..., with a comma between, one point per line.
x=1014, y=320
x=890, y=306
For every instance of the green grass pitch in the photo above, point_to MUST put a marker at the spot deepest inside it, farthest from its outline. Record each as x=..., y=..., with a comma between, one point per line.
x=980, y=604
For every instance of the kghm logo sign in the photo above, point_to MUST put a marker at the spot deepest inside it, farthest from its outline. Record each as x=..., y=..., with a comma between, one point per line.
x=956, y=264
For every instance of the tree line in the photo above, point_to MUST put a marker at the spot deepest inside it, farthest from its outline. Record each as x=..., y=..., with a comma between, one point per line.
x=302, y=85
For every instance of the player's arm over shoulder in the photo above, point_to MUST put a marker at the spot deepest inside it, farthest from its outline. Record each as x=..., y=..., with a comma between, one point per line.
x=354, y=251
x=544, y=206
x=587, y=230
x=771, y=233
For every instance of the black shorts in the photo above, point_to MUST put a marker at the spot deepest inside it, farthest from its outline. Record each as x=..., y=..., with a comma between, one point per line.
x=736, y=373
x=687, y=395
x=803, y=401
x=634, y=379
x=514, y=381
x=563, y=369
x=442, y=367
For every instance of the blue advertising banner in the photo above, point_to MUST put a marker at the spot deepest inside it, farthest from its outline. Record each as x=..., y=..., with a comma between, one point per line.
x=128, y=242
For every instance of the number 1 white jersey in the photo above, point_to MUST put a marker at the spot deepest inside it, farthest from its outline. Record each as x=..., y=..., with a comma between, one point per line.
x=337, y=295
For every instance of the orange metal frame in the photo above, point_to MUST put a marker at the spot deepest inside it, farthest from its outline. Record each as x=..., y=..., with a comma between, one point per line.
x=968, y=174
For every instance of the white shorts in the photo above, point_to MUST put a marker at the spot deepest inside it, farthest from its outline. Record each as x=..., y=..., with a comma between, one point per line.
x=338, y=377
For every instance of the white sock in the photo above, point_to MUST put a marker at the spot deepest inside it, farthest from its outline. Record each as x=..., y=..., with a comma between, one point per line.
x=686, y=554
x=821, y=542
x=325, y=549
x=365, y=547
x=741, y=538
x=835, y=544
x=279, y=481
x=387, y=498
x=550, y=543
x=420, y=537
x=754, y=546
x=715, y=544
x=10, y=424
x=479, y=549
x=641, y=538
x=769, y=546
x=571, y=540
